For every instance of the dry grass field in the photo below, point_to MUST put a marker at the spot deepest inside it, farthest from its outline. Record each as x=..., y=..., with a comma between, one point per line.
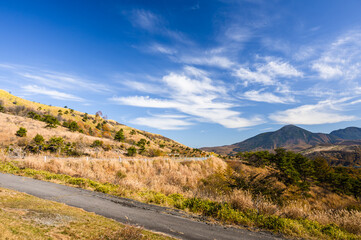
x=26, y=217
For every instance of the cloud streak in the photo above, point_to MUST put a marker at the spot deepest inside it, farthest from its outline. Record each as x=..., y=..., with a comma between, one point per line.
x=34, y=89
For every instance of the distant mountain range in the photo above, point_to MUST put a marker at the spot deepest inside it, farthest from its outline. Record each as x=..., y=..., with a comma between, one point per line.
x=292, y=138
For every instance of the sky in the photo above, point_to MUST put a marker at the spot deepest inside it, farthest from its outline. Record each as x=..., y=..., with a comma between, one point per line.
x=204, y=73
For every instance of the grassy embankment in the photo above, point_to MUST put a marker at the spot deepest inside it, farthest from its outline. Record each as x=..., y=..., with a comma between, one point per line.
x=26, y=217
x=239, y=208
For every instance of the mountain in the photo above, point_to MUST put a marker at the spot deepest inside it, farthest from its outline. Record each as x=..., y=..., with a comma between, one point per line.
x=350, y=133
x=290, y=137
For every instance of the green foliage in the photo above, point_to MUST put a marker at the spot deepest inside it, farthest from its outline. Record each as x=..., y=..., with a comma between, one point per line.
x=38, y=139
x=97, y=143
x=73, y=126
x=131, y=151
x=298, y=170
x=119, y=136
x=85, y=117
x=120, y=175
x=2, y=108
x=99, y=126
x=34, y=115
x=141, y=142
x=132, y=132
x=21, y=132
x=51, y=121
x=55, y=144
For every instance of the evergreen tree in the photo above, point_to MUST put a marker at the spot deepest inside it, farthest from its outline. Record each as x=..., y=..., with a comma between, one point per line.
x=119, y=136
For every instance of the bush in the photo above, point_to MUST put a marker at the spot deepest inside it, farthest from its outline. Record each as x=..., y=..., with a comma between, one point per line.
x=97, y=143
x=55, y=144
x=73, y=126
x=38, y=139
x=21, y=132
x=132, y=151
x=51, y=121
x=119, y=136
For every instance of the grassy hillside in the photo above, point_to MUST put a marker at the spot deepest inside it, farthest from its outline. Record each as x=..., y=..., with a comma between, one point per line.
x=79, y=131
x=26, y=217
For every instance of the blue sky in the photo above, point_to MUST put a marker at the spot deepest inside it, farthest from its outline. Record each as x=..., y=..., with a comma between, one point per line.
x=203, y=73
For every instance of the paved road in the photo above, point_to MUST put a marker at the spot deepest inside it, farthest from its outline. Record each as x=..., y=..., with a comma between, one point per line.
x=156, y=218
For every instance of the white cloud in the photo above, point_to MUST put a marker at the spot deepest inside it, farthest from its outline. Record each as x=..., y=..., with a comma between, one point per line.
x=327, y=71
x=145, y=19
x=276, y=67
x=162, y=49
x=238, y=34
x=208, y=60
x=327, y=111
x=163, y=122
x=193, y=93
x=342, y=59
x=155, y=24
x=259, y=96
x=145, y=101
x=34, y=89
x=267, y=73
x=249, y=76
x=53, y=79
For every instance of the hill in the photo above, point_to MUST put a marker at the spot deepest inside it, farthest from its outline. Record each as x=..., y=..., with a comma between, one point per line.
x=80, y=133
x=290, y=137
x=350, y=133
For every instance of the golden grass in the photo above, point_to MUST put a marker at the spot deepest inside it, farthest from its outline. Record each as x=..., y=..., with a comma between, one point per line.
x=26, y=217
x=133, y=178
x=166, y=176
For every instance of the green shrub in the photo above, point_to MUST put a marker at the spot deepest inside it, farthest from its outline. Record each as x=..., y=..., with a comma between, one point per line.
x=38, y=139
x=73, y=126
x=131, y=151
x=119, y=136
x=21, y=132
x=97, y=143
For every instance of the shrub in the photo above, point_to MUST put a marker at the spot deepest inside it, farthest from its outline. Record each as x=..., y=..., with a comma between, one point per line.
x=132, y=151
x=73, y=126
x=97, y=143
x=119, y=136
x=51, y=121
x=55, y=144
x=38, y=139
x=21, y=132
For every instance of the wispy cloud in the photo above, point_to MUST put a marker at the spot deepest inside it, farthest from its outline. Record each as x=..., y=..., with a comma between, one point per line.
x=193, y=93
x=164, y=122
x=268, y=97
x=208, y=60
x=341, y=59
x=155, y=24
x=327, y=111
x=145, y=19
x=267, y=73
x=34, y=89
x=53, y=79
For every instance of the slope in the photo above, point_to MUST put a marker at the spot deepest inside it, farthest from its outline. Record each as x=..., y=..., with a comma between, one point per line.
x=78, y=129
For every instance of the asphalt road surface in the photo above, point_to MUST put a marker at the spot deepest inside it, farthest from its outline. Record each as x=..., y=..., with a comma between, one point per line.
x=160, y=219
